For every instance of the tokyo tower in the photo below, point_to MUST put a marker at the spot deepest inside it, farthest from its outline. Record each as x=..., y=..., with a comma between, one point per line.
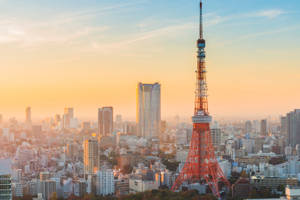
x=201, y=165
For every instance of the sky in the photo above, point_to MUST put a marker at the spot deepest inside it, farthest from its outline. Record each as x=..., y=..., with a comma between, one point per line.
x=92, y=53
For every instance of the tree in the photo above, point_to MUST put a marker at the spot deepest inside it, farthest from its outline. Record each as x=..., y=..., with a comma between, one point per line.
x=281, y=188
x=53, y=196
x=127, y=169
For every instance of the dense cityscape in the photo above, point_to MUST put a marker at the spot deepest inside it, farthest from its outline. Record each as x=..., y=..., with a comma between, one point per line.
x=65, y=157
x=68, y=157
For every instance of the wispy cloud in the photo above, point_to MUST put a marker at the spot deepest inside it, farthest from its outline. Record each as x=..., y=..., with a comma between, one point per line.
x=264, y=33
x=271, y=13
x=61, y=28
x=140, y=37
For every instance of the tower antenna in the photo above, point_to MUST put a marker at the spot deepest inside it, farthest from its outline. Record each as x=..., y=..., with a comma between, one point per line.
x=201, y=21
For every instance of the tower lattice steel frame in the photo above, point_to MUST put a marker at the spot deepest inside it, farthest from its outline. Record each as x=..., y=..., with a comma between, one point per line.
x=201, y=164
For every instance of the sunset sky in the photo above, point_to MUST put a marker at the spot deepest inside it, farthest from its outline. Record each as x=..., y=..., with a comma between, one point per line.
x=92, y=53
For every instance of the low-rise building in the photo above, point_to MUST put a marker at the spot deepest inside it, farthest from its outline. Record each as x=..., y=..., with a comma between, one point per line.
x=142, y=185
x=272, y=182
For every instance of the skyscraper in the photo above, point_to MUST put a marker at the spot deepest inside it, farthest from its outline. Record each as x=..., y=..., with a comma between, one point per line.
x=248, y=127
x=283, y=125
x=105, y=121
x=28, y=117
x=67, y=117
x=263, y=127
x=293, y=127
x=91, y=157
x=148, y=110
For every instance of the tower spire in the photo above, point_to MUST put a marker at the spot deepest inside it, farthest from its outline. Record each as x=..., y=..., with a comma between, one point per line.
x=201, y=22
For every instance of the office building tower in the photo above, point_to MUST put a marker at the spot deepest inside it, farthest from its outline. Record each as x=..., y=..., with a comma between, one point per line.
x=69, y=112
x=216, y=137
x=263, y=127
x=105, y=121
x=71, y=151
x=91, y=157
x=148, y=110
x=105, y=182
x=293, y=127
x=67, y=117
x=283, y=125
x=119, y=122
x=248, y=127
x=28, y=116
x=5, y=180
x=57, y=119
x=18, y=175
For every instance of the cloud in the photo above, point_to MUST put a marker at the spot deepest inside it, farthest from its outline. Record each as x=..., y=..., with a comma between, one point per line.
x=264, y=33
x=63, y=28
x=271, y=14
x=139, y=37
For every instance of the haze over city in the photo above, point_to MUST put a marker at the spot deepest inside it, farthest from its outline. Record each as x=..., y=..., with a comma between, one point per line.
x=149, y=99
x=86, y=54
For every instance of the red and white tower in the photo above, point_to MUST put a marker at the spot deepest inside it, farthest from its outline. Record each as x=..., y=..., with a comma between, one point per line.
x=201, y=164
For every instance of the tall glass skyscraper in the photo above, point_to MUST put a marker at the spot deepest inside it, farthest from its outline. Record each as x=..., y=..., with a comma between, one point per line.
x=148, y=110
x=105, y=121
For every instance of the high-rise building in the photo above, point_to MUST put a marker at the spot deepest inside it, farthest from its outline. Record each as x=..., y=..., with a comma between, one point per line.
x=118, y=124
x=47, y=188
x=5, y=180
x=1, y=118
x=215, y=136
x=248, y=127
x=71, y=151
x=57, y=119
x=263, y=127
x=283, y=125
x=91, y=157
x=105, y=182
x=149, y=110
x=105, y=121
x=28, y=115
x=69, y=112
x=293, y=127
x=67, y=117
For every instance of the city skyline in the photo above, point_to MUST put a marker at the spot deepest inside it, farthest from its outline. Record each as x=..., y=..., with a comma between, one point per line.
x=213, y=114
x=66, y=57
